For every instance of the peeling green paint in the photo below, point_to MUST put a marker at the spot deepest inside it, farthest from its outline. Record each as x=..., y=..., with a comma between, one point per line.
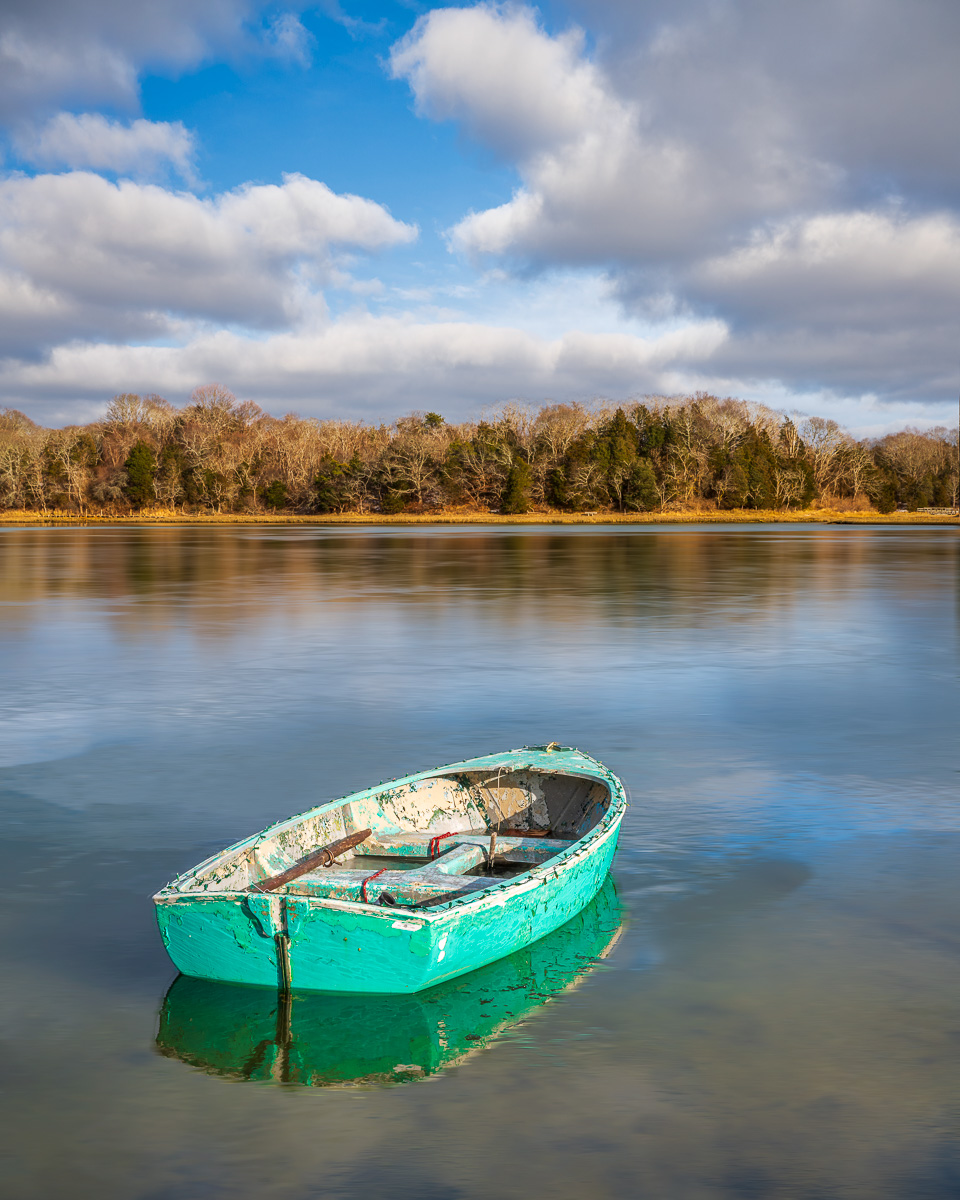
x=215, y=929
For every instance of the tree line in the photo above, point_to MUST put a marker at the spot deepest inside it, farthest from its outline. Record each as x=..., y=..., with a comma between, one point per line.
x=660, y=454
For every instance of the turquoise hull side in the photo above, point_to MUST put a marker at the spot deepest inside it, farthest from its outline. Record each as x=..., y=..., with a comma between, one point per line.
x=340, y=949
x=342, y=946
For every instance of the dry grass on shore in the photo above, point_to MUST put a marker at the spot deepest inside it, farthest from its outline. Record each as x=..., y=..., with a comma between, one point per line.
x=819, y=516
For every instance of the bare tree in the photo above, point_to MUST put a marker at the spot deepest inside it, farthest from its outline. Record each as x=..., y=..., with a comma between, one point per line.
x=914, y=455
x=790, y=484
x=825, y=442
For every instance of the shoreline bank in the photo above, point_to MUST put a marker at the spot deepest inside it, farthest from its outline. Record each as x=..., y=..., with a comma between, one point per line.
x=710, y=517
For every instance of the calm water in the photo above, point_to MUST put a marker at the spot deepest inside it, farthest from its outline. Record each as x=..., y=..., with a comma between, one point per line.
x=767, y=1006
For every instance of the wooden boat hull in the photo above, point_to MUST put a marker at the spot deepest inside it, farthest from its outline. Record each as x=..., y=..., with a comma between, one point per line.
x=341, y=945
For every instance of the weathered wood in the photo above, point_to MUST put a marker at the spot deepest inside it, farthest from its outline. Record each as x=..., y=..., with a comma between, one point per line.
x=318, y=858
x=525, y=833
x=340, y=945
x=442, y=898
x=284, y=978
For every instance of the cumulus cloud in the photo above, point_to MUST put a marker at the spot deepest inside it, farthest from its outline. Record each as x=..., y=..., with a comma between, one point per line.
x=823, y=270
x=788, y=170
x=92, y=140
x=870, y=87
x=366, y=365
x=81, y=256
x=373, y=367
x=779, y=180
x=602, y=180
x=57, y=53
x=851, y=300
x=515, y=88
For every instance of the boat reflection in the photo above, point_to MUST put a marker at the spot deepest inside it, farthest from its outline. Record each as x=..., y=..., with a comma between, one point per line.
x=337, y=1040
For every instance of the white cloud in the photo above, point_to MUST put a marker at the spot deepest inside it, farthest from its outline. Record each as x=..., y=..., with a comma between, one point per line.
x=730, y=164
x=362, y=364
x=355, y=26
x=72, y=53
x=861, y=300
x=288, y=38
x=735, y=161
x=37, y=71
x=514, y=88
x=92, y=140
x=126, y=259
x=601, y=181
x=846, y=266
x=871, y=88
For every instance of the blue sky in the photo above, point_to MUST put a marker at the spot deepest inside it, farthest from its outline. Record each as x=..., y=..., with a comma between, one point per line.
x=339, y=118
x=360, y=210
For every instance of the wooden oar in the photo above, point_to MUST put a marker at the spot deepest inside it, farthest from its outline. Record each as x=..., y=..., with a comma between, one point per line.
x=318, y=858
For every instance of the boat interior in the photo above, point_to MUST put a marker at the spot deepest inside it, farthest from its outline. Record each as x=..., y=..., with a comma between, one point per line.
x=429, y=841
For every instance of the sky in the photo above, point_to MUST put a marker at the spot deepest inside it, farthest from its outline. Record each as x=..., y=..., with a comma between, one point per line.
x=358, y=210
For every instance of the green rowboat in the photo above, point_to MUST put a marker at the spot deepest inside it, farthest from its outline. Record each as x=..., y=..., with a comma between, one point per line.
x=315, y=1040
x=399, y=887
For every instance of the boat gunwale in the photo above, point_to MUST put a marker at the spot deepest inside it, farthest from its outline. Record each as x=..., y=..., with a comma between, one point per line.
x=496, y=892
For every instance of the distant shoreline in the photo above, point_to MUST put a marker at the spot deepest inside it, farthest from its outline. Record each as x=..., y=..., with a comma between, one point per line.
x=710, y=517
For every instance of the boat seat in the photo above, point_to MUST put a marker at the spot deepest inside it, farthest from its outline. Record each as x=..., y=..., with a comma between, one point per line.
x=416, y=844
x=406, y=887
x=413, y=844
x=439, y=876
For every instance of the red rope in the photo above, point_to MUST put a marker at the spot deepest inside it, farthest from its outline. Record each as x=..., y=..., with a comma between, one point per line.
x=434, y=848
x=363, y=886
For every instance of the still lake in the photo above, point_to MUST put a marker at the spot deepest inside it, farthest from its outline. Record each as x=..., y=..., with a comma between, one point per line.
x=766, y=1003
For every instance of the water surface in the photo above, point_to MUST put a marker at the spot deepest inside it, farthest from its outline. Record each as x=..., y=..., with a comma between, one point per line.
x=768, y=1005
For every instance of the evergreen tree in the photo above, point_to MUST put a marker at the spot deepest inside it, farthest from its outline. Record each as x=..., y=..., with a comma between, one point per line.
x=884, y=495
x=275, y=495
x=330, y=484
x=558, y=488
x=516, y=493
x=392, y=501
x=652, y=429
x=141, y=469
x=640, y=487
x=615, y=453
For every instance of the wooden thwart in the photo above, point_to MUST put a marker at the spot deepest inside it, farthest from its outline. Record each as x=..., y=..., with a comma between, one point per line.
x=318, y=858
